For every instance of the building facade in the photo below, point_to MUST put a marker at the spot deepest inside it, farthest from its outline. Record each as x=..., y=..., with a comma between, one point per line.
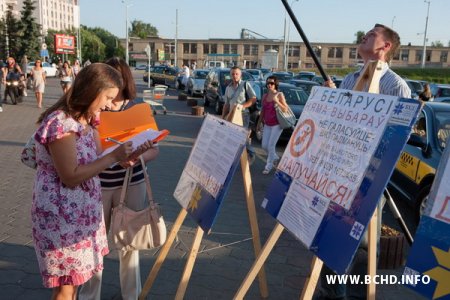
x=50, y=14
x=249, y=53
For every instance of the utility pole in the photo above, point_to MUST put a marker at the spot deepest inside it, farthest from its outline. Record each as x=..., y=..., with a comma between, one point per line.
x=424, y=54
x=127, y=57
x=176, y=37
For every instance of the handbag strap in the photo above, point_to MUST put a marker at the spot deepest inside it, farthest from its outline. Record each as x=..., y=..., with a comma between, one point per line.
x=126, y=181
x=147, y=181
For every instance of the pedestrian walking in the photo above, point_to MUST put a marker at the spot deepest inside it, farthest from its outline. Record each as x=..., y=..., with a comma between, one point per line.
x=240, y=92
x=66, y=75
x=136, y=196
x=272, y=129
x=38, y=75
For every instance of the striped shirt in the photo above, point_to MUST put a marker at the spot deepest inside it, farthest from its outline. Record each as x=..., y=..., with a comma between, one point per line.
x=112, y=178
x=390, y=83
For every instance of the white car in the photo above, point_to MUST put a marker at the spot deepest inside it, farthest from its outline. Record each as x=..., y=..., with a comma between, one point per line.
x=50, y=70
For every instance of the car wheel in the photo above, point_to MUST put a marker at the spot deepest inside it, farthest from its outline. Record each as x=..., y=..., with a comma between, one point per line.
x=219, y=107
x=421, y=202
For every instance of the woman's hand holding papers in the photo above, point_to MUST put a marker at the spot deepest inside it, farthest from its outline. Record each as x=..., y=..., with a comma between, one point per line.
x=134, y=157
x=122, y=152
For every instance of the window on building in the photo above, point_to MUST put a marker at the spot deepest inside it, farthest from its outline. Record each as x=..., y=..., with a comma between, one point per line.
x=335, y=52
x=271, y=47
x=169, y=47
x=353, y=53
x=250, y=49
x=404, y=55
x=186, y=48
x=294, y=51
x=293, y=65
x=419, y=55
x=193, y=48
x=230, y=48
x=206, y=49
x=444, y=56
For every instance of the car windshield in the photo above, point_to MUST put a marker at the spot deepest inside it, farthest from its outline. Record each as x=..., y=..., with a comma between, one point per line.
x=444, y=92
x=253, y=72
x=415, y=86
x=282, y=76
x=442, y=127
x=200, y=74
x=294, y=95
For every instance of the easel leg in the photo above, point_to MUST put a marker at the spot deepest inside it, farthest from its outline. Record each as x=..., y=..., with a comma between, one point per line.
x=163, y=254
x=311, y=281
x=253, y=221
x=372, y=253
x=259, y=262
x=189, y=264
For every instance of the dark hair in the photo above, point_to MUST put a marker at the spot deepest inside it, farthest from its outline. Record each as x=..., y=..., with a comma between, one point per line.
x=275, y=79
x=235, y=68
x=128, y=91
x=392, y=37
x=89, y=83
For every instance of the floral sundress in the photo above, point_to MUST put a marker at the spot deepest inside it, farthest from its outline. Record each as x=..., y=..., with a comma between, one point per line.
x=68, y=227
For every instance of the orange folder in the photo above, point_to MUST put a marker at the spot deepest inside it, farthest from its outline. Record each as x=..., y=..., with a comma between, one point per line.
x=123, y=125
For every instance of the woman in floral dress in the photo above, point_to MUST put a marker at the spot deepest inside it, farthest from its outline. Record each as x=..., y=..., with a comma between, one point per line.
x=67, y=220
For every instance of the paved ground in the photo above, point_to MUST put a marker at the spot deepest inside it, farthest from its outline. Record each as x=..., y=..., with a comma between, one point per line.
x=226, y=254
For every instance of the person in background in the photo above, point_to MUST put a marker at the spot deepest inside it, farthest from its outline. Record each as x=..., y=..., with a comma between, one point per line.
x=426, y=93
x=38, y=75
x=65, y=75
x=76, y=68
x=185, y=73
x=272, y=129
x=68, y=228
x=136, y=197
x=10, y=71
x=23, y=65
x=380, y=43
x=240, y=92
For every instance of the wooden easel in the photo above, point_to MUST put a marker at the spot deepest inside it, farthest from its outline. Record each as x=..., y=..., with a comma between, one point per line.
x=369, y=80
x=235, y=117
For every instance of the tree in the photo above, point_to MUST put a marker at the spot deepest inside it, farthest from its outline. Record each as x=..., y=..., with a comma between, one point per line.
x=113, y=47
x=359, y=36
x=142, y=30
x=29, y=31
x=438, y=44
x=50, y=41
x=92, y=46
x=11, y=42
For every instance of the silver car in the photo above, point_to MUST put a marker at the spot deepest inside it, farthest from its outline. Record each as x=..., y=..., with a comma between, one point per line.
x=196, y=82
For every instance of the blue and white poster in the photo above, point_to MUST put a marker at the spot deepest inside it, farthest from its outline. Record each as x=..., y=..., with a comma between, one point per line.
x=335, y=167
x=428, y=264
x=210, y=168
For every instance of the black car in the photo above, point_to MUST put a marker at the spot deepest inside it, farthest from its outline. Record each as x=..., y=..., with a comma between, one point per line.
x=281, y=76
x=162, y=75
x=216, y=82
x=306, y=85
x=295, y=97
x=416, y=167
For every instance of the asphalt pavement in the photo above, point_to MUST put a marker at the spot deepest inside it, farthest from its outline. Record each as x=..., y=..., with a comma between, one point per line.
x=226, y=254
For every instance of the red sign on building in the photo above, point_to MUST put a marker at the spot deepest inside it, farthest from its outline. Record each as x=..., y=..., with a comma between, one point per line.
x=64, y=44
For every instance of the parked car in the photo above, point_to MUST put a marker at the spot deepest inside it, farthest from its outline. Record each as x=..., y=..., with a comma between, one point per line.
x=415, y=86
x=162, y=75
x=50, y=70
x=216, y=82
x=141, y=67
x=304, y=75
x=440, y=90
x=256, y=73
x=416, y=167
x=306, y=85
x=281, y=76
x=196, y=82
x=264, y=71
x=295, y=97
x=442, y=99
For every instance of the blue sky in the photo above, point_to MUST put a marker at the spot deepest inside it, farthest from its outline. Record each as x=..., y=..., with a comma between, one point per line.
x=321, y=20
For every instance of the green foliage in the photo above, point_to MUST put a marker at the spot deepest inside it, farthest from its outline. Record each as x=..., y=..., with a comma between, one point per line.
x=112, y=45
x=13, y=44
x=30, y=31
x=359, y=36
x=438, y=44
x=142, y=30
x=92, y=46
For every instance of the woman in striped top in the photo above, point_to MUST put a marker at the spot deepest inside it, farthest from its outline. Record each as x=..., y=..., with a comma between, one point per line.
x=136, y=197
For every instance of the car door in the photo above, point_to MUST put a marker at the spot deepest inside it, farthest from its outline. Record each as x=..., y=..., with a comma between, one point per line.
x=170, y=76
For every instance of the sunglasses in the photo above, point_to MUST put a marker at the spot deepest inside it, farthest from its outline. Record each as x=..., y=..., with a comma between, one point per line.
x=270, y=82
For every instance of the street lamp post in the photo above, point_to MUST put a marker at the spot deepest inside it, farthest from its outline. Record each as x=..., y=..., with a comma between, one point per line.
x=424, y=54
x=286, y=38
x=127, y=57
x=392, y=24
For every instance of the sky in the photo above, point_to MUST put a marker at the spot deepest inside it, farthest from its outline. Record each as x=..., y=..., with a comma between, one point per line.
x=332, y=21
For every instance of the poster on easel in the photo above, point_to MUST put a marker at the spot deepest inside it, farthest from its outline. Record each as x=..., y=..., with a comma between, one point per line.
x=428, y=266
x=210, y=168
x=335, y=167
